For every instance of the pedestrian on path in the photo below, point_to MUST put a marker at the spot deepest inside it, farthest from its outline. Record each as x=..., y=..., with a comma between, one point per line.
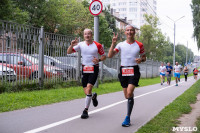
x=195, y=72
x=185, y=70
x=90, y=66
x=169, y=70
x=177, y=73
x=132, y=54
x=162, y=73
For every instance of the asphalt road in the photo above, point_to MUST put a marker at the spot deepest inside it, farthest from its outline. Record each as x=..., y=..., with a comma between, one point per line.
x=64, y=117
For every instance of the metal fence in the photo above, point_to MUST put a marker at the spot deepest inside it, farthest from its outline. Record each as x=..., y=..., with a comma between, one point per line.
x=27, y=55
x=30, y=55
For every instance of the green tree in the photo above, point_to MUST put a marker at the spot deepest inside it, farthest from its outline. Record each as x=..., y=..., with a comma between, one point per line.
x=110, y=19
x=196, y=20
x=153, y=39
x=67, y=16
x=107, y=26
x=105, y=33
x=9, y=11
x=181, y=54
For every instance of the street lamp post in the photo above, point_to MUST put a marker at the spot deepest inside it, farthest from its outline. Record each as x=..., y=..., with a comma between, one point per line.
x=174, y=37
x=186, y=54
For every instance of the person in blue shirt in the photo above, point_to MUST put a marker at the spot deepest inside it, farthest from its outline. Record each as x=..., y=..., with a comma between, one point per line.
x=169, y=69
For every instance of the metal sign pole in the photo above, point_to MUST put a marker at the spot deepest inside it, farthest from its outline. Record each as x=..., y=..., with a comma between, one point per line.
x=95, y=9
x=96, y=38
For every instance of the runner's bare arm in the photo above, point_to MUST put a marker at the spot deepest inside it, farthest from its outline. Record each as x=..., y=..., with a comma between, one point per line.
x=103, y=57
x=142, y=59
x=96, y=61
x=112, y=52
x=70, y=48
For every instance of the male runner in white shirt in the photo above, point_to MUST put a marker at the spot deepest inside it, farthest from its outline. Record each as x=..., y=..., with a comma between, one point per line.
x=90, y=66
x=132, y=54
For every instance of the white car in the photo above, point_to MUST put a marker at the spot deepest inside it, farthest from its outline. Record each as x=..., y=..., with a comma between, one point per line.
x=7, y=73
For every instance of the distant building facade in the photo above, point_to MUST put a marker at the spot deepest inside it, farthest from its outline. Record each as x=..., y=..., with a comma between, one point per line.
x=131, y=10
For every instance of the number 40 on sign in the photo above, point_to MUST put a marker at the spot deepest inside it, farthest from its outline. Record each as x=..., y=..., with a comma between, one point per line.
x=95, y=7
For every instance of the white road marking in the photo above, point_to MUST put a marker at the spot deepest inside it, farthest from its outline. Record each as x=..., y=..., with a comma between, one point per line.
x=94, y=111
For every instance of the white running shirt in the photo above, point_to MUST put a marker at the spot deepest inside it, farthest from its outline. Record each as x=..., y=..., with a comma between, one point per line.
x=177, y=69
x=129, y=52
x=162, y=69
x=89, y=51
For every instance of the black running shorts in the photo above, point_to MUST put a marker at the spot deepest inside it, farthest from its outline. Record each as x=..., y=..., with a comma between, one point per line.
x=125, y=80
x=90, y=77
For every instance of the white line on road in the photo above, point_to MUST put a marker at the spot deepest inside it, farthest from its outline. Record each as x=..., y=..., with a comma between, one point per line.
x=92, y=112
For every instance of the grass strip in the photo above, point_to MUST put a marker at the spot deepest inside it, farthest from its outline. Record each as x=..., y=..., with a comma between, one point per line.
x=167, y=118
x=25, y=99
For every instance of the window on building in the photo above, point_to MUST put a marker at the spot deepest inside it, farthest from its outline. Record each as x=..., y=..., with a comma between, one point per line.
x=122, y=3
x=123, y=9
x=132, y=3
x=132, y=9
x=8, y=42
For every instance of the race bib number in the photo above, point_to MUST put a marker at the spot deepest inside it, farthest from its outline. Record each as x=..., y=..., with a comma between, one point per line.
x=177, y=71
x=88, y=69
x=128, y=71
x=195, y=72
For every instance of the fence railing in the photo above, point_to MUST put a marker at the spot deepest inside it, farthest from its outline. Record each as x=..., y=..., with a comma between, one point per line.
x=30, y=55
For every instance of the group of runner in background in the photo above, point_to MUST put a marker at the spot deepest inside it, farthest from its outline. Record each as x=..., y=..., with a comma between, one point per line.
x=167, y=70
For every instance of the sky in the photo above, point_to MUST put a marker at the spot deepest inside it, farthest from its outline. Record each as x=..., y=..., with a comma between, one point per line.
x=175, y=9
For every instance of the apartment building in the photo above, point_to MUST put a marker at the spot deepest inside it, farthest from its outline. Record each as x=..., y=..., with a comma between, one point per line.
x=131, y=10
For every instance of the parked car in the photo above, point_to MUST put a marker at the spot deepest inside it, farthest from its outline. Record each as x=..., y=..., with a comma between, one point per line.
x=27, y=66
x=69, y=70
x=7, y=74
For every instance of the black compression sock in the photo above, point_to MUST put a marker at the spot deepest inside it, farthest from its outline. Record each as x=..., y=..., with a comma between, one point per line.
x=130, y=106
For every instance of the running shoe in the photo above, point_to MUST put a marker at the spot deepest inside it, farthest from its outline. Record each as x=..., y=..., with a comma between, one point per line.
x=176, y=84
x=84, y=114
x=94, y=99
x=126, y=122
x=161, y=83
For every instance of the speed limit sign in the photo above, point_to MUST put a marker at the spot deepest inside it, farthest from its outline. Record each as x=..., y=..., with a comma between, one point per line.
x=95, y=7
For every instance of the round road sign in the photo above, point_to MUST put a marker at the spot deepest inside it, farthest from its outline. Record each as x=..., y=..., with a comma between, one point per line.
x=95, y=7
